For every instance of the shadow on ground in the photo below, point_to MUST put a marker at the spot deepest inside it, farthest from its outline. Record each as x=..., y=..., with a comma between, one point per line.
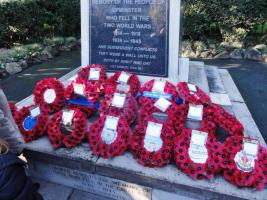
x=251, y=80
x=19, y=86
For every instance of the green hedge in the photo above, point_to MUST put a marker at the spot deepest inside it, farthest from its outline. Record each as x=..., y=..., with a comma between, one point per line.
x=231, y=20
x=24, y=21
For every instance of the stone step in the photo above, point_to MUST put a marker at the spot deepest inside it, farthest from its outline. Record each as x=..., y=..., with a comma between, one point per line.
x=217, y=91
x=53, y=191
x=198, y=76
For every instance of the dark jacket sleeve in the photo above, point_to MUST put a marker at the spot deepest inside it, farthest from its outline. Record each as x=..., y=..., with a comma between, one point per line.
x=8, y=129
x=14, y=184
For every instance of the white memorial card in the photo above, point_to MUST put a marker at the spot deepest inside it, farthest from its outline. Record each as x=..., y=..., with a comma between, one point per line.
x=154, y=129
x=245, y=159
x=49, y=96
x=124, y=77
x=162, y=104
x=251, y=147
x=111, y=123
x=118, y=100
x=195, y=112
x=67, y=117
x=153, y=141
x=198, y=152
x=192, y=87
x=94, y=74
x=109, y=132
x=159, y=86
x=79, y=88
x=35, y=112
x=123, y=88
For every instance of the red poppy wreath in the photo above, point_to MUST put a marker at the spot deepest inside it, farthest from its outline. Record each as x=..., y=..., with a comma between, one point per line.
x=49, y=94
x=94, y=76
x=67, y=128
x=244, y=162
x=83, y=96
x=119, y=104
x=152, y=143
x=109, y=136
x=123, y=82
x=31, y=122
x=192, y=94
x=215, y=114
x=196, y=151
x=198, y=113
x=153, y=90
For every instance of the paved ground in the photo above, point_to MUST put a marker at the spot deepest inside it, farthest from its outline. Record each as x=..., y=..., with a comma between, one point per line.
x=21, y=85
x=250, y=78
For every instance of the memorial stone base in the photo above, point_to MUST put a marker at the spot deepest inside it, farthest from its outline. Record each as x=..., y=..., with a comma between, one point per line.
x=122, y=178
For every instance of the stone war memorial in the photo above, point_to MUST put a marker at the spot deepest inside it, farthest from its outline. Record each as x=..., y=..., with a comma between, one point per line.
x=171, y=151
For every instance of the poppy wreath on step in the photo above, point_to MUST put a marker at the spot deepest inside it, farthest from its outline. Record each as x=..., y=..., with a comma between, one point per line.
x=197, y=161
x=147, y=94
x=49, y=94
x=127, y=110
x=109, y=144
x=123, y=81
x=74, y=137
x=88, y=76
x=156, y=152
x=225, y=120
x=181, y=116
x=192, y=94
x=239, y=168
x=171, y=113
x=31, y=127
x=88, y=102
x=215, y=114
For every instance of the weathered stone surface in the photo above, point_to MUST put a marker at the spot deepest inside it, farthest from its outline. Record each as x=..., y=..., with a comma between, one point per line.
x=251, y=129
x=171, y=180
x=214, y=79
x=221, y=99
x=162, y=195
x=52, y=191
x=92, y=183
x=80, y=157
x=184, y=69
x=253, y=54
x=197, y=75
x=238, y=54
x=230, y=86
x=13, y=68
x=80, y=195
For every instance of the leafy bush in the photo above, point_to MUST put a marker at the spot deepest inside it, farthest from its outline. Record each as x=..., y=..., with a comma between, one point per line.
x=25, y=21
x=230, y=20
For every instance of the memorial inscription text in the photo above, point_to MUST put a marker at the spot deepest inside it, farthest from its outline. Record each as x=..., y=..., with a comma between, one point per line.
x=130, y=35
